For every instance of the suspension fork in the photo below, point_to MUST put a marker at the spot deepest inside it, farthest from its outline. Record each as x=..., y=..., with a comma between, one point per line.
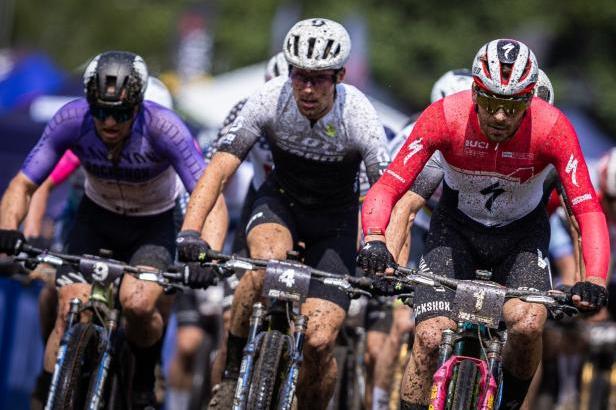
x=288, y=389
x=493, y=377
x=102, y=370
x=243, y=381
x=72, y=317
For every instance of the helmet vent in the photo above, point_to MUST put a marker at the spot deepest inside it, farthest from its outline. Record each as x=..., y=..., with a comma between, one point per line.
x=295, y=45
x=110, y=85
x=328, y=48
x=311, y=42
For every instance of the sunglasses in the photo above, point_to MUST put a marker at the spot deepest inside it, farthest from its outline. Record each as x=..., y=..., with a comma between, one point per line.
x=299, y=80
x=511, y=106
x=118, y=114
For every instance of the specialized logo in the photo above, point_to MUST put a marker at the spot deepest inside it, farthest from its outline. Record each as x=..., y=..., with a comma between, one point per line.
x=583, y=198
x=413, y=148
x=393, y=174
x=572, y=169
x=507, y=48
x=494, y=191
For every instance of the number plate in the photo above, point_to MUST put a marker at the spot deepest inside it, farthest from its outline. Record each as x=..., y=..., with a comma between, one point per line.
x=286, y=281
x=103, y=271
x=480, y=303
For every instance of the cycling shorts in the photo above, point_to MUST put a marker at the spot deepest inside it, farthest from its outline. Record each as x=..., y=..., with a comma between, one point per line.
x=330, y=235
x=379, y=315
x=200, y=308
x=516, y=255
x=140, y=240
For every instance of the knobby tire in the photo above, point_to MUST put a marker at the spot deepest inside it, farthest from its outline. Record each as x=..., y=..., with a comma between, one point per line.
x=266, y=371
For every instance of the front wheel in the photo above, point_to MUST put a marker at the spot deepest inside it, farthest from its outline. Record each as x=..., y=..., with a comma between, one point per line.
x=80, y=360
x=265, y=380
x=464, y=392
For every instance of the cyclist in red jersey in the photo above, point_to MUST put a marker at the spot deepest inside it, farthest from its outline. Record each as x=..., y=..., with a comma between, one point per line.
x=497, y=143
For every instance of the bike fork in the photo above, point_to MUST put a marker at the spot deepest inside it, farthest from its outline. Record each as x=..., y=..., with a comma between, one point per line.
x=288, y=389
x=73, y=313
x=490, y=401
x=243, y=381
x=103, y=367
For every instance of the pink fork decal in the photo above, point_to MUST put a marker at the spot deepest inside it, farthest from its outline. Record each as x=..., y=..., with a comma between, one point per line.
x=442, y=377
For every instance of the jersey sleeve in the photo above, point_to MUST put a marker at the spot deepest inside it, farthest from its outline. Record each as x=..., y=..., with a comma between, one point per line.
x=244, y=131
x=369, y=134
x=567, y=158
x=173, y=141
x=429, y=178
x=64, y=168
x=60, y=133
x=427, y=136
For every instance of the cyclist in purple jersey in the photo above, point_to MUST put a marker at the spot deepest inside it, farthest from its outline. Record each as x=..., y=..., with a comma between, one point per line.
x=132, y=152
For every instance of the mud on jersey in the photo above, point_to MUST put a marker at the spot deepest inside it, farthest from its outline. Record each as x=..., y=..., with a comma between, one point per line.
x=495, y=184
x=315, y=165
x=144, y=179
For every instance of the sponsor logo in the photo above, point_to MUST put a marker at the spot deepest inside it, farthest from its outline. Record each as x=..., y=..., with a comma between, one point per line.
x=541, y=261
x=435, y=306
x=253, y=219
x=413, y=148
x=494, y=191
x=479, y=298
x=393, y=174
x=572, y=169
x=518, y=155
x=580, y=199
x=330, y=130
x=476, y=144
x=507, y=48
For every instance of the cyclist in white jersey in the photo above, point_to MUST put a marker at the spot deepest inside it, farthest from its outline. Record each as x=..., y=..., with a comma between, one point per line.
x=319, y=131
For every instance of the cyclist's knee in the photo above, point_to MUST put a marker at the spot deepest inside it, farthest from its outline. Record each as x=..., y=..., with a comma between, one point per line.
x=320, y=343
x=269, y=241
x=428, y=333
x=188, y=340
x=138, y=299
x=525, y=319
x=65, y=295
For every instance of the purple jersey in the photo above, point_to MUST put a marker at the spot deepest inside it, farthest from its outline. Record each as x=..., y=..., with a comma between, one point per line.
x=145, y=179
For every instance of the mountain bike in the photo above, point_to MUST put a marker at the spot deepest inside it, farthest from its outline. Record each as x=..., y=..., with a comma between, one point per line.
x=598, y=376
x=469, y=374
x=273, y=353
x=94, y=365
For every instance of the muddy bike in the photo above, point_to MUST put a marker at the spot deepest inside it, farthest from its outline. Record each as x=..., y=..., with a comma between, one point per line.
x=598, y=375
x=94, y=365
x=469, y=374
x=273, y=353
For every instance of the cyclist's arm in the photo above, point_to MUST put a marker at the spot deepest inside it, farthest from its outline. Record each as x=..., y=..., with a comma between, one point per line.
x=36, y=210
x=402, y=217
x=426, y=137
x=571, y=167
x=216, y=225
x=56, y=139
x=14, y=205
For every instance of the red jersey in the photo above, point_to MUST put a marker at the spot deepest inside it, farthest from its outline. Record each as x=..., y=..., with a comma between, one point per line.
x=495, y=183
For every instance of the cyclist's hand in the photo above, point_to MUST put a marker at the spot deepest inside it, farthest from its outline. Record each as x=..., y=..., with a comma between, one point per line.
x=191, y=248
x=589, y=296
x=197, y=276
x=11, y=241
x=374, y=257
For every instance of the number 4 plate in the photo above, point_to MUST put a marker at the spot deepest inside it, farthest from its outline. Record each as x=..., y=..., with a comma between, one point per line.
x=286, y=281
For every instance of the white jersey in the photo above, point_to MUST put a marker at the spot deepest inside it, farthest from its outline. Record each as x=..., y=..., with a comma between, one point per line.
x=314, y=164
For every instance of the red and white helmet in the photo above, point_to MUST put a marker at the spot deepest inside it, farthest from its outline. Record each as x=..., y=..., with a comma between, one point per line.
x=607, y=173
x=505, y=67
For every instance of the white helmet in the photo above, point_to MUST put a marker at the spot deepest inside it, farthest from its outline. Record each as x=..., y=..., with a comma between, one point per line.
x=494, y=56
x=450, y=83
x=276, y=66
x=158, y=92
x=317, y=44
x=543, y=88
